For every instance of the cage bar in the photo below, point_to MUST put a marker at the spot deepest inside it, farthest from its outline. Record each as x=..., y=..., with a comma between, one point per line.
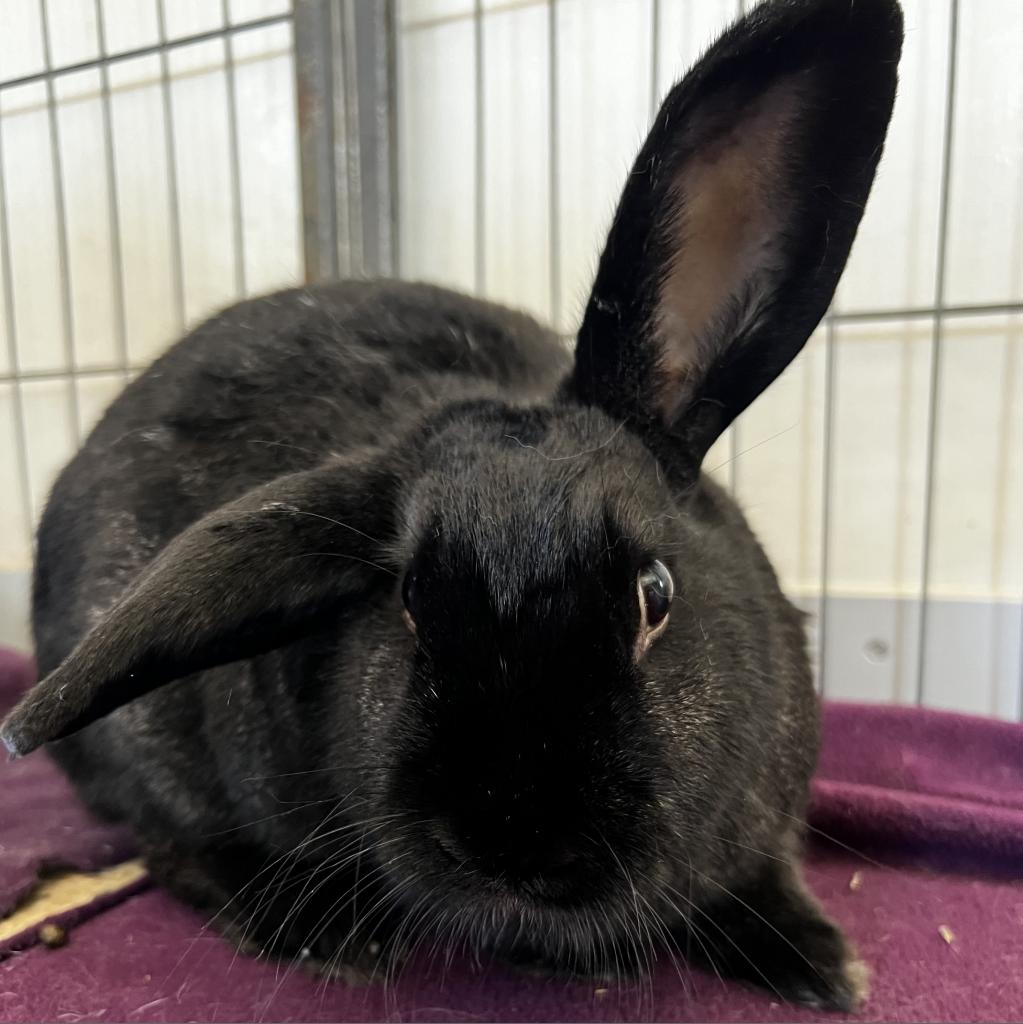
x=928, y=312
x=827, y=464
x=655, y=56
x=63, y=253
x=479, y=142
x=314, y=71
x=864, y=316
x=934, y=392
x=163, y=46
x=170, y=146
x=734, y=433
x=346, y=143
x=345, y=68
x=553, y=193
x=234, y=145
x=15, y=377
x=113, y=208
x=375, y=34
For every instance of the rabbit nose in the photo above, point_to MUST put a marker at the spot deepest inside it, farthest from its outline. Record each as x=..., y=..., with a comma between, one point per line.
x=553, y=859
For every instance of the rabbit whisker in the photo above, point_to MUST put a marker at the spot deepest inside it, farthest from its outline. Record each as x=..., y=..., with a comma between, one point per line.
x=334, y=865
x=288, y=775
x=691, y=929
x=318, y=515
x=751, y=849
x=663, y=931
x=335, y=860
x=287, y=862
x=285, y=444
x=347, y=557
x=208, y=924
x=296, y=805
x=746, y=451
x=832, y=839
x=576, y=455
x=312, y=837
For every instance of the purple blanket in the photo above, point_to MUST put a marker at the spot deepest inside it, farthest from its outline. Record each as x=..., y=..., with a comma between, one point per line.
x=918, y=852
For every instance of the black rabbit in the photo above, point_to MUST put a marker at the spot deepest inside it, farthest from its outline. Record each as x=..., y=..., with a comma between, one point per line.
x=378, y=614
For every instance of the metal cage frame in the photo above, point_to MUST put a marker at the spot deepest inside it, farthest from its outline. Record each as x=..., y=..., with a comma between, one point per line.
x=348, y=91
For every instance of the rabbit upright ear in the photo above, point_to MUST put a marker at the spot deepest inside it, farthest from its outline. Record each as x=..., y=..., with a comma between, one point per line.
x=737, y=219
x=246, y=578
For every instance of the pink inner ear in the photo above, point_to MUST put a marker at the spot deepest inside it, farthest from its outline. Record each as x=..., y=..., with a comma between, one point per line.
x=730, y=199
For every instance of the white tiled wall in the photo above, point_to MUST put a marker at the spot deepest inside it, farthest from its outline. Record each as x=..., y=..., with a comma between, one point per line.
x=137, y=273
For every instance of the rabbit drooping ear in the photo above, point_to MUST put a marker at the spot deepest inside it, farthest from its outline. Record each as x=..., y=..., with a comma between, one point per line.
x=737, y=219
x=243, y=580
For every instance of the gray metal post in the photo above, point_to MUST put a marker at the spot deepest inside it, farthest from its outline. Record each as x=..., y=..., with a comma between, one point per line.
x=345, y=61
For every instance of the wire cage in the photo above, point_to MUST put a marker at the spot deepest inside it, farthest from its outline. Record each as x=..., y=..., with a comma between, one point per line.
x=159, y=159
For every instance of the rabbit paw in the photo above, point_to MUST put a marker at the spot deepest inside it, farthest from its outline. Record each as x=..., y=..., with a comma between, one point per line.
x=773, y=934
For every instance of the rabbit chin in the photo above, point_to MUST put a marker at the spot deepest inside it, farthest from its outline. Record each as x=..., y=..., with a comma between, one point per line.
x=593, y=932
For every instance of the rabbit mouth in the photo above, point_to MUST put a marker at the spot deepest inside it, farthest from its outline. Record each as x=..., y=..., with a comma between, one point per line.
x=594, y=940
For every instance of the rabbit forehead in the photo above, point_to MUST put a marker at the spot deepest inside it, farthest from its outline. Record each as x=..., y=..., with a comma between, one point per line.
x=543, y=462
x=528, y=500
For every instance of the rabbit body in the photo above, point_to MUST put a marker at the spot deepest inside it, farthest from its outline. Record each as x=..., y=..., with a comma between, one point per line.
x=222, y=772
x=376, y=613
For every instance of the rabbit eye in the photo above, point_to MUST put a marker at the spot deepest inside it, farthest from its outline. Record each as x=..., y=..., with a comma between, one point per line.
x=409, y=597
x=656, y=589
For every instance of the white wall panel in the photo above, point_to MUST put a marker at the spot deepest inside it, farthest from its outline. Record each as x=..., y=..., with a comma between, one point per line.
x=143, y=194
x=986, y=216
x=30, y=187
x=893, y=262
x=516, y=136
x=601, y=119
x=436, y=152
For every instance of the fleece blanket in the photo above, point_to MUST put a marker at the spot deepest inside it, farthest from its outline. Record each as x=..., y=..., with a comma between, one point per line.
x=917, y=848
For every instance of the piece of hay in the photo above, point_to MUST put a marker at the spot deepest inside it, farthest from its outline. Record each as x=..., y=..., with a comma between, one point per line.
x=59, y=894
